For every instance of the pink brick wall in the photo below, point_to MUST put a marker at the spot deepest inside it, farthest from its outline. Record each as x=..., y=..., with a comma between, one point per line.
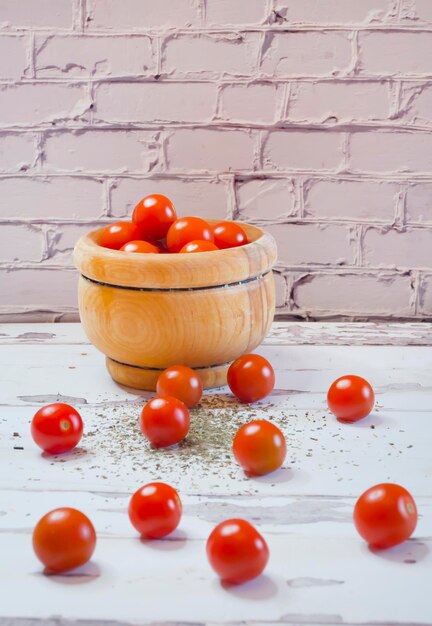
x=312, y=118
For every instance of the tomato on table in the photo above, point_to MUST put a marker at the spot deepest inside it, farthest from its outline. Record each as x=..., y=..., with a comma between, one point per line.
x=187, y=229
x=155, y=510
x=138, y=245
x=154, y=215
x=236, y=551
x=116, y=235
x=385, y=515
x=181, y=382
x=251, y=377
x=259, y=447
x=165, y=421
x=229, y=235
x=350, y=398
x=199, y=245
x=57, y=428
x=64, y=539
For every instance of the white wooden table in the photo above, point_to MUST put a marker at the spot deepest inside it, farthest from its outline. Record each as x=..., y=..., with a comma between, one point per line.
x=320, y=572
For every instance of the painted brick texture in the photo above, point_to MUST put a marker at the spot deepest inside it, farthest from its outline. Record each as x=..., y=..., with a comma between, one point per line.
x=312, y=119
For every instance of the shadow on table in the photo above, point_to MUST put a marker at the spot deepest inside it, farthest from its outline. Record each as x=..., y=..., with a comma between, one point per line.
x=410, y=552
x=282, y=475
x=76, y=453
x=85, y=574
x=174, y=541
x=261, y=588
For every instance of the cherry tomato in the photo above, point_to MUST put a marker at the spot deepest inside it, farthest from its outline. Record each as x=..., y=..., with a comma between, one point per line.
x=251, y=377
x=57, y=428
x=154, y=215
x=155, y=510
x=199, y=245
x=64, y=539
x=180, y=382
x=259, y=447
x=229, y=235
x=385, y=515
x=350, y=398
x=236, y=551
x=165, y=421
x=140, y=246
x=187, y=229
x=117, y=234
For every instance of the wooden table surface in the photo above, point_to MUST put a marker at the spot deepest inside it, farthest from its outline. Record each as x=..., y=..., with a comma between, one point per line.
x=320, y=571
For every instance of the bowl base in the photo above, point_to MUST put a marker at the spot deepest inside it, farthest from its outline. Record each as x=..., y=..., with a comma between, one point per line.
x=145, y=379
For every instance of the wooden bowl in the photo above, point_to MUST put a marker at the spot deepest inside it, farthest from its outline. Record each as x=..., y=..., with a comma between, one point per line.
x=146, y=312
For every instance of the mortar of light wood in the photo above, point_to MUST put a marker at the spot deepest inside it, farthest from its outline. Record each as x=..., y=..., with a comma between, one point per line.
x=146, y=312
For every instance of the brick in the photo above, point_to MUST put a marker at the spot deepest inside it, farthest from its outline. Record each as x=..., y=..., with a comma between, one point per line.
x=419, y=203
x=336, y=12
x=207, y=198
x=392, y=248
x=238, y=12
x=348, y=199
x=78, y=55
x=32, y=104
x=141, y=14
x=151, y=102
x=209, y=56
x=309, y=244
x=269, y=199
x=36, y=13
x=281, y=290
x=395, y=53
x=391, y=151
x=339, y=102
x=420, y=10
x=359, y=295
x=314, y=150
x=101, y=151
x=426, y=296
x=13, y=57
x=205, y=149
x=64, y=198
x=17, y=152
x=306, y=53
x=61, y=241
x=418, y=108
x=20, y=243
x=249, y=103
x=38, y=288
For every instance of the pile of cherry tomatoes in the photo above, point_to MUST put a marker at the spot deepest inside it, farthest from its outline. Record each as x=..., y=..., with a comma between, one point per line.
x=155, y=229
x=65, y=538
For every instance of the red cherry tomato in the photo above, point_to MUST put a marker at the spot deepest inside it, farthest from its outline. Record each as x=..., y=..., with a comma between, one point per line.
x=116, y=235
x=199, y=245
x=180, y=382
x=259, y=447
x=385, y=515
x=350, y=398
x=236, y=551
x=165, y=421
x=64, y=539
x=155, y=510
x=154, y=215
x=187, y=229
x=251, y=377
x=140, y=246
x=57, y=428
x=229, y=235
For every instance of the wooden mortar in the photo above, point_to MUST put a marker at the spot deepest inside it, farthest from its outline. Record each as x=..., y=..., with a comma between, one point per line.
x=146, y=312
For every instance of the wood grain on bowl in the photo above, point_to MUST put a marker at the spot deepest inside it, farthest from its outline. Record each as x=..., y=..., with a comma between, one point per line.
x=147, y=312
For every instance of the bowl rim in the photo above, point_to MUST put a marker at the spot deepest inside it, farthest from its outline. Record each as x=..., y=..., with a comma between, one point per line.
x=152, y=271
